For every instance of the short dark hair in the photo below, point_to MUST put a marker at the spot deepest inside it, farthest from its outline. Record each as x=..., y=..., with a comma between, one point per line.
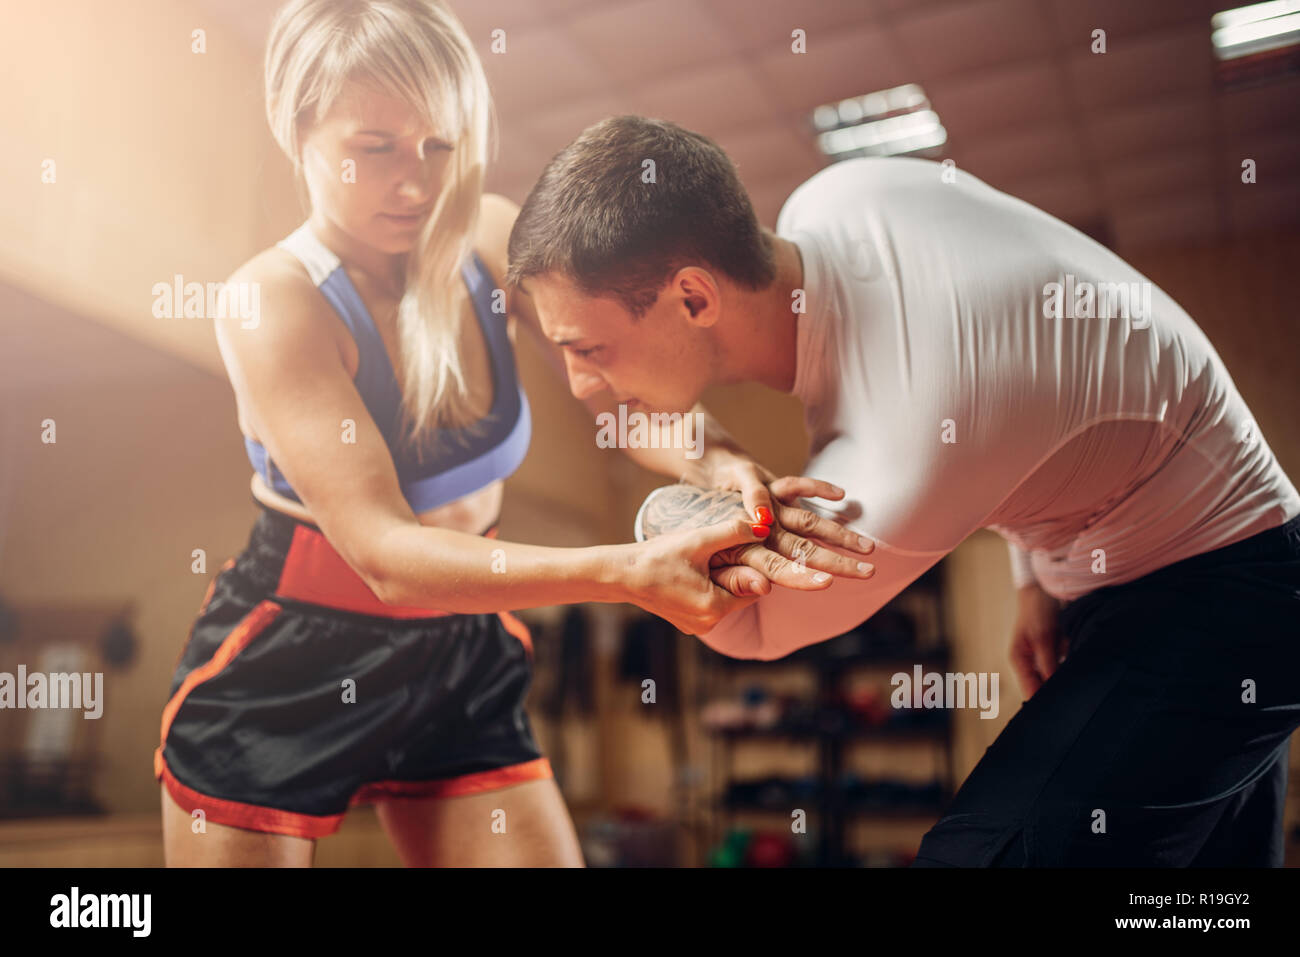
x=592, y=218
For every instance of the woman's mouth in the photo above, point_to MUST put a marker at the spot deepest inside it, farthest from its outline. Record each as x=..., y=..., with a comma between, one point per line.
x=411, y=219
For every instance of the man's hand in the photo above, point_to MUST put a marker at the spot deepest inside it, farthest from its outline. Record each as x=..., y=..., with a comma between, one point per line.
x=1036, y=644
x=784, y=557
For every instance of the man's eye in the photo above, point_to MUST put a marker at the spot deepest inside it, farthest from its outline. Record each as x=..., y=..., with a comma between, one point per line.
x=585, y=353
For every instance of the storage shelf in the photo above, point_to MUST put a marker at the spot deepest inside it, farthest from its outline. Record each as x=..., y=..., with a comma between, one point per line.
x=936, y=733
x=901, y=811
x=898, y=638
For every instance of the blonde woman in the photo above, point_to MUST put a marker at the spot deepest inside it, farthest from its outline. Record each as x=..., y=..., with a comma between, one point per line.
x=360, y=649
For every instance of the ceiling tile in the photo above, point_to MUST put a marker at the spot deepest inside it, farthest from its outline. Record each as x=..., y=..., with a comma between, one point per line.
x=1140, y=134
x=1024, y=154
x=973, y=106
x=1268, y=106
x=1124, y=19
x=651, y=39
x=891, y=9
x=857, y=61
x=769, y=195
x=518, y=158
x=540, y=66
x=773, y=150
x=961, y=37
x=557, y=126
x=1147, y=127
x=767, y=25
x=1154, y=67
x=1263, y=208
x=1067, y=196
x=481, y=18
x=1276, y=155
x=1182, y=220
x=1190, y=169
x=718, y=97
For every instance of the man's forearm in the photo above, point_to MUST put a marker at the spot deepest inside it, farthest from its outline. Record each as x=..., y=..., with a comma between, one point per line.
x=687, y=506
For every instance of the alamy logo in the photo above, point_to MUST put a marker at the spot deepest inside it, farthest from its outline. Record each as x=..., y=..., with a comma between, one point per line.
x=102, y=910
x=933, y=689
x=657, y=430
x=214, y=300
x=1075, y=299
x=58, y=689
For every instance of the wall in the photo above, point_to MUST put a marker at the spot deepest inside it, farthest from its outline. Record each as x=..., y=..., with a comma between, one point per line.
x=154, y=149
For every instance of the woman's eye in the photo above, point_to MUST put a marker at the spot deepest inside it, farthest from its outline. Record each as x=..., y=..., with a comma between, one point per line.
x=382, y=149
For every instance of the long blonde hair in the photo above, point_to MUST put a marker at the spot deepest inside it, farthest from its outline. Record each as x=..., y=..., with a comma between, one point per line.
x=416, y=51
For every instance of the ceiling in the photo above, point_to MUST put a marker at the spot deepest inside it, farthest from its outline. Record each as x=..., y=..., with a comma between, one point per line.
x=1137, y=142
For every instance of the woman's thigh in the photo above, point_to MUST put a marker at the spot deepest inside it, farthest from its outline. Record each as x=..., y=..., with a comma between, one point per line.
x=525, y=825
x=218, y=845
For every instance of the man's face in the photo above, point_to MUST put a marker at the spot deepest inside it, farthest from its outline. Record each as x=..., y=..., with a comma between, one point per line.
x=659, y=363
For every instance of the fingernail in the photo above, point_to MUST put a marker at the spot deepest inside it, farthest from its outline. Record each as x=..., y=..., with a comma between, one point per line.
x=863, y=567
x=761, y=530
x=865, y=544
x=821, y=577
x=765, y=515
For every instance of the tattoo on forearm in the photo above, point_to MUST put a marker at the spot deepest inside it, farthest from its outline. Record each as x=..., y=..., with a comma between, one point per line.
x=688, y=506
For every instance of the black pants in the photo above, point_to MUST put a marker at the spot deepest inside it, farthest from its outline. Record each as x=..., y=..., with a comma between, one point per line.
x=1162, y=739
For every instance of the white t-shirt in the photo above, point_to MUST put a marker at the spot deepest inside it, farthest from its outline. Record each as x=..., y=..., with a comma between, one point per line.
x=949, y=386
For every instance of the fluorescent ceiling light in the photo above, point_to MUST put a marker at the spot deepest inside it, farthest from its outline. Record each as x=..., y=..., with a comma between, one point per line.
x=1253, y=29
x=884, y=123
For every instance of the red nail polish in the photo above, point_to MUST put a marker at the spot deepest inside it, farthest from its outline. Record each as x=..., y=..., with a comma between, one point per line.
x=764, y=515
x=761, y=530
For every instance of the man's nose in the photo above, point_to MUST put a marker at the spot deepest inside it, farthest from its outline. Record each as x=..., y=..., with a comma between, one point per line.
x=583, y=382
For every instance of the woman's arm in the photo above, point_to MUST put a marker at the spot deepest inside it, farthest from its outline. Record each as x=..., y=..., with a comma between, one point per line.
x=305, y=408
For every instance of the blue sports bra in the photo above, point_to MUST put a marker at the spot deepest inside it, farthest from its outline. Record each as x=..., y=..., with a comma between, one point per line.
x=489, y=450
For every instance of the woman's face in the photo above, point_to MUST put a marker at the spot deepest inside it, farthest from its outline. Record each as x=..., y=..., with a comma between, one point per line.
x=374, y=169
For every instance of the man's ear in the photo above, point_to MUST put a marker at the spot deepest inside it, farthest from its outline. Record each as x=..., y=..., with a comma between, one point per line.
x=700, y=295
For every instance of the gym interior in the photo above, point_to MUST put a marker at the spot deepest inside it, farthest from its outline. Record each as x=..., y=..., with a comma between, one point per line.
x=143, y=158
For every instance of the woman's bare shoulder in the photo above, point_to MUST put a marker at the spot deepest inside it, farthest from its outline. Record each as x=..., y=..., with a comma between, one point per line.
x=277, y=267
x=289, y=304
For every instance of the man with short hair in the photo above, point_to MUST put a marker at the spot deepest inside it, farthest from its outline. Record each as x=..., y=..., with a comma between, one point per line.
x=967, y=361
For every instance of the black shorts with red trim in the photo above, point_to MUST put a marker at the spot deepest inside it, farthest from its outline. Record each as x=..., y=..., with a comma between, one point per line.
x=300, y=694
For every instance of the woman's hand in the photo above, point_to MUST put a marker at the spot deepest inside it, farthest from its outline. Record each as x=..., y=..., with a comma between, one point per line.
x=775, y=555
x=1036, y=643
x=669, y=575
x=795, y=530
